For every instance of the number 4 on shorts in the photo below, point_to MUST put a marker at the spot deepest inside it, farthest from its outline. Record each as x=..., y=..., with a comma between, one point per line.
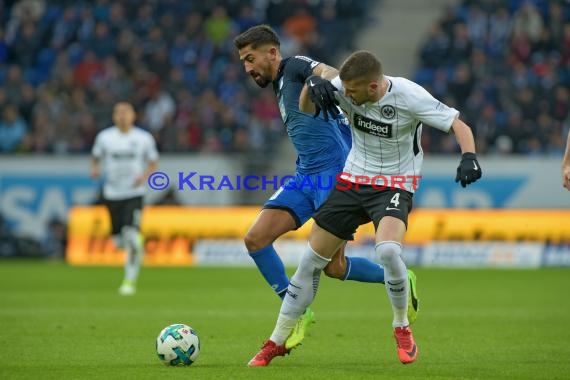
x=395, y=200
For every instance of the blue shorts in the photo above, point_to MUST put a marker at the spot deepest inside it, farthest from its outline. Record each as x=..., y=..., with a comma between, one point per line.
x=303, y=194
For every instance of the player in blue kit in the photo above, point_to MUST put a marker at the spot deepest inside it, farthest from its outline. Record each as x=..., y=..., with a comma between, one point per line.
x=322, y=146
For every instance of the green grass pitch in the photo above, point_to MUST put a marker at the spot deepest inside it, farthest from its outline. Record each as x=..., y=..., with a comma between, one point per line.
x=61, y=322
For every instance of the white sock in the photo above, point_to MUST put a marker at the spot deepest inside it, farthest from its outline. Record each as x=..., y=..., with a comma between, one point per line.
x=300, y=293
x=134, y=248
x=283, y=328
x=396, y=279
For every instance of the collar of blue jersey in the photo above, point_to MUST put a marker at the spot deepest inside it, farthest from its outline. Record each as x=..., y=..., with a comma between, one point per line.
x=281, y=66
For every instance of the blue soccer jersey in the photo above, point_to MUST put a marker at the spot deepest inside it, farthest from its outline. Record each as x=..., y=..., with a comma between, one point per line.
x=320, y=144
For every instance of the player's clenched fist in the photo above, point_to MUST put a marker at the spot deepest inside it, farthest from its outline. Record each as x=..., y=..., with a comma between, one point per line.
x=321, y=93
x=468, y=170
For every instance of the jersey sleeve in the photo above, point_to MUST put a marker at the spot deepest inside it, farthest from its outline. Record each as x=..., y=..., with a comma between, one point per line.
x=337, y=83
x=97, y=150
x=300, y=67
x=151, y=152
x=427, y=109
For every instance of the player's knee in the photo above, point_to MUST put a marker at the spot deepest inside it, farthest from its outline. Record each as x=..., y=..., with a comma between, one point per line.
x=388, y=250
x=255, y=241
x=118, y=241
x=130, y=235
x=335, y=269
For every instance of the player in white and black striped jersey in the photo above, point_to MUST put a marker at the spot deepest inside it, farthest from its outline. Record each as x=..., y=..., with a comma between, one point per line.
x=386, y=115
x=387, y=133
x=128, y=155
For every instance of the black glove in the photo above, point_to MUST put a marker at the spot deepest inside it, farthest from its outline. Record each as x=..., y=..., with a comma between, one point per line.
x=468, y=170
x=321, y=93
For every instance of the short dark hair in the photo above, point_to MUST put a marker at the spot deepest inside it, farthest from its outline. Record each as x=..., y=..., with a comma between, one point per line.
x=257, y=36
x=127, y=102
x=359, y=65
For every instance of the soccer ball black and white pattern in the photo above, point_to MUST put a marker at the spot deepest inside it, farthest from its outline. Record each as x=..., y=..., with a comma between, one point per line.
x=178, y=344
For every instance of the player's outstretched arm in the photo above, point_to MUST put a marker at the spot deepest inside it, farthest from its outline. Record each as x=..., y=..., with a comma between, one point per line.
x=469, y=169
x=95, y=170
x=96, y=154
x=464, y=136
x=566, y=164
x=325, y=71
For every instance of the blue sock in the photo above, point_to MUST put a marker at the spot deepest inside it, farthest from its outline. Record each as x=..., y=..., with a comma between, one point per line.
x=363, y=270
x=272, y=269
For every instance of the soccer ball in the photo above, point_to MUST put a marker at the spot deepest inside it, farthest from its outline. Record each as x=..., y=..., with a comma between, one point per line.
x=178, y=344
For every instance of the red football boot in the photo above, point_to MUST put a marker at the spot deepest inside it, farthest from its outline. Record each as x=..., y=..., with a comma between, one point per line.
x=267, y=353
x=407, y=349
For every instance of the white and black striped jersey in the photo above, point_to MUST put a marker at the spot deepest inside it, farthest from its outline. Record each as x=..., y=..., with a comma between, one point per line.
x=124, y=156
x=386, y=135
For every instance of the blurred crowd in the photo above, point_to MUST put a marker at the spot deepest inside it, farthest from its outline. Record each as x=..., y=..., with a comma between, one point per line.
x=63, y=64
x=51, y=245
x=506, y=65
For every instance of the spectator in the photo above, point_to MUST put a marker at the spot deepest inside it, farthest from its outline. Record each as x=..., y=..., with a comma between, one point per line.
x=556, y=19
x=461, y=46
x=14, y=83
x=3, y=47
x=218, y=26
x=23, y=11
x=87, y=69
x=302, y=27
x=26, y=44
x=12, y=129
x=559, y=107
x=528, y=21
x=461, y=85
x=160, y=108
x=116, y=19
x=85, y=24
x=144, y=21
x=101, y=42
x=500, y=28
x=27, y=98
x=477, y=23
x=246, y=18
x=65, y=29
x=434, y=50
